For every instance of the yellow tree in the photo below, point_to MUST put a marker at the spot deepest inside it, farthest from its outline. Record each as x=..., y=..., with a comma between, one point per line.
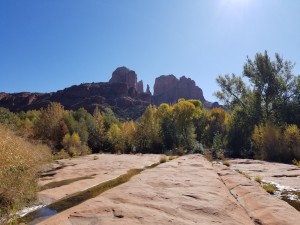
x=216, y=127
x=147, y=135
x=115, y=138
x=128, y=133
x=184, y=113
x=72, y=144
x=97, y=136
x=48, y=125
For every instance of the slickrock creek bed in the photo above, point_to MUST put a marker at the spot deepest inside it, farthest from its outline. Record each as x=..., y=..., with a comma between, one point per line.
x=187, y=190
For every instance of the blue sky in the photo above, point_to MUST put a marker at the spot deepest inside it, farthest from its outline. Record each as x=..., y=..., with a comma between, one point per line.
x=47, y=45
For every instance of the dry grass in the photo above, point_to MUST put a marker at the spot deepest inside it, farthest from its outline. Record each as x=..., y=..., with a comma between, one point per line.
x=163, y=159
x=20, y=163
x=296, y=162
x=226, y=163
x=258, y=179
x=208, y=156
x=244, y=174
x=172, y=157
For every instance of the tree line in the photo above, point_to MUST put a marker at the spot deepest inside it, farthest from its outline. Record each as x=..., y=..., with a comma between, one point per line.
x=182, y=127
x=260, y=119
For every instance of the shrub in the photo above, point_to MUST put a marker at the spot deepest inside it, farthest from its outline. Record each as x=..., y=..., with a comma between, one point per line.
x=267, y=142
x=208, y=156
x=291, y=137
x=62, y=154
x=258, y=179
x=163, y=159
x=244, y=174
x=270, y=188
x=226, y=163
x=20, y=163
x=273, y=143
x=180, y=151
x=296, y=162
x=220, y=155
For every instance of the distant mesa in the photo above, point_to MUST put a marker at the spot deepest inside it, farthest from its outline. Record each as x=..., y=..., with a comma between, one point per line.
x=124, y=94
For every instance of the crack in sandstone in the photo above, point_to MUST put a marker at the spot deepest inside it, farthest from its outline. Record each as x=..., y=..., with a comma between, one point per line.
x=236, y=198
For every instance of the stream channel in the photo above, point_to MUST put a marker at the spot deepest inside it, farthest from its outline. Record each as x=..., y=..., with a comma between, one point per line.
x=45, y=212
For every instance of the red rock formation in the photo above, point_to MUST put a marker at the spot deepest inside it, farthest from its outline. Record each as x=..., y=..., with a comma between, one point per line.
x=122, y=94
x=140, y=87
x=148, y=90
x=168, y=89
x=124, y=75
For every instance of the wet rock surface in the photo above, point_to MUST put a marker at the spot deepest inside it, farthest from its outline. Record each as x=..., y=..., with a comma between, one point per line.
x=187, y=190
x=283, y=174
x=261, y=207
x=183, y=191
x=81, y=173
x=285, y=178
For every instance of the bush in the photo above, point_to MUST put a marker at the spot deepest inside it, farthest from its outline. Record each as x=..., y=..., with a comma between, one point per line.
x=20, y=163
x=270, y=188
x=208, y=156
x=258, y=179
x=291, y=137
x=163, y=159
x=62, y=154
x=272, y=144
x=226, y=163
x=267, y=142
x=180, y=151
x=296, y=162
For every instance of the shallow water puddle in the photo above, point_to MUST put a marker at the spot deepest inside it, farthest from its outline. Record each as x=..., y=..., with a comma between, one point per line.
x=288, y=194
x=65, y=182
x=77, y=198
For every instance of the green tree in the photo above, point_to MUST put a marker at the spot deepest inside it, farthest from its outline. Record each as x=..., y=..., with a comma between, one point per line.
x=9, y=118
x=271, y=97
x=97, y=137
x=168, y=131
x=233, y=90
x=109, y=118
x=272, y=81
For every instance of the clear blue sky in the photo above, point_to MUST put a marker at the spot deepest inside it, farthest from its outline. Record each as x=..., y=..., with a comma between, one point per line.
x=47, y=45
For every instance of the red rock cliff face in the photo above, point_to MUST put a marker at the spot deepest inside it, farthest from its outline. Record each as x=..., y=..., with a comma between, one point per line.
x=168, y=89
x=124, y=75
x=122, y=94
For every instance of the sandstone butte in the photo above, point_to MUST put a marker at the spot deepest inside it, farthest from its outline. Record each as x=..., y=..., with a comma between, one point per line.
x=187, y=190
x=124, y=94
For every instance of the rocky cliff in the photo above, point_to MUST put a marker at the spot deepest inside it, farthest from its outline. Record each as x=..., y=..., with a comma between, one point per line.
x=123, y=94
x=168, y=89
